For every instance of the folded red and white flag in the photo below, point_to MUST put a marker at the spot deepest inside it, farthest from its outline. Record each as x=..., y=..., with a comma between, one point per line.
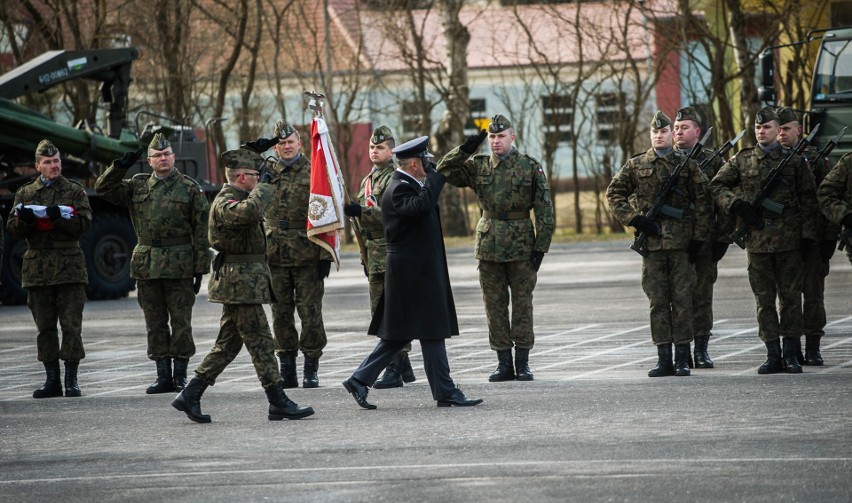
x=325, y=206
x=42, y=221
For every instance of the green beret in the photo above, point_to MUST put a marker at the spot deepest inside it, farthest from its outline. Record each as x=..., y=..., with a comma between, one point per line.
x=46, y=148
x=380, y=134
x=499, y=123
x=159, y=142
x=283, y=129
x=785, y=115
x=688, y=114
x=660, y=120
x=241, y=159
x=765, y=114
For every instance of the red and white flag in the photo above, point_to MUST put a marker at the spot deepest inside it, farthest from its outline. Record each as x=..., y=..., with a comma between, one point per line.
x=325, y=206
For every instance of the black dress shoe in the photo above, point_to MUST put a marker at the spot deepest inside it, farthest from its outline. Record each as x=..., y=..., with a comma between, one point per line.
x=458, y=399
x=359, y=392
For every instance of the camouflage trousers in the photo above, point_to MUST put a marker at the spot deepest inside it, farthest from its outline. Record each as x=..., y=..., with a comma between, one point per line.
x=242, y=324
x=298, y=289
x=499, y=280
x=377, y=287
x=668, y=280
x=706, y=272
x=62, y=303
x=163, y=300
x=777, y=276
x=814, y=271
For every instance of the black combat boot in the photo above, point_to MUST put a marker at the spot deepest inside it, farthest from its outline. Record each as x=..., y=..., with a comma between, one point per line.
x=281, y=407
x=681, y=360
x=800, y=357
x=189, y=400
x=505, y=370
x=164, y=383
x=288, y=369
x=791, y=360
x=522, y=364
x=52, y=386
x=702, y=358
x=71, y=386
x=664, y=362
x=812, y=354
x=405, y=369
x=179, y=375
x=392, y=377
x=311, y=379
x=773, y=364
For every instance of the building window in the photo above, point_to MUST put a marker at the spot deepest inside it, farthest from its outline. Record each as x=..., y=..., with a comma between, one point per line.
x=557, y=119
x=608, y=107
x=478, y=119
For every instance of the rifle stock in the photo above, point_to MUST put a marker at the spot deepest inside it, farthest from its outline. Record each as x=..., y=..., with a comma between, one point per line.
x=845, y=238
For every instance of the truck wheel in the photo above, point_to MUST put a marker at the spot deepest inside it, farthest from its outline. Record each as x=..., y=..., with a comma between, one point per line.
x=108, y=247
x=11, y=292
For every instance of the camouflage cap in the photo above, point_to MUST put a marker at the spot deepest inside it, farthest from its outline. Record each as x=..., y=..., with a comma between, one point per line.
x=786, y=114
x=159, y=142
x=688, y=114
x=660, y=120
x=380, y=134
x=765, y=114
x=241, y=158
x=283, y=129
x=499, y=123
x=46, y=148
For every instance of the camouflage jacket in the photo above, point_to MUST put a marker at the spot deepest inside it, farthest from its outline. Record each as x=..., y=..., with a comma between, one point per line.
x=743, y=176
x=835, y=191
x=820, y=167
x=53, y=255
x=723, y=225
x=170, y=219
x=286, y=217
x=372, y=230
x=507, y=190
x=633, y=189
x=235, y=230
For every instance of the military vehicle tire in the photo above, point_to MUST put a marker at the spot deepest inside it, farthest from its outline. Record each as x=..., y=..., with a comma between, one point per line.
x=108, y=247
x=11, y=292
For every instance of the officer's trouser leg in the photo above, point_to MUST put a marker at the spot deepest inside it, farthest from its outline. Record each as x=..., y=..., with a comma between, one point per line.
x=437, y=368
x=254, y=330
x=180, y=297
x=227, y=346
x=522, y=279
x=761, y=277
x=377, y=360
x=495, y=293
x=284, y=309
x=309, y=290
x=814, y=272
x=788, y=271
x=152, y=300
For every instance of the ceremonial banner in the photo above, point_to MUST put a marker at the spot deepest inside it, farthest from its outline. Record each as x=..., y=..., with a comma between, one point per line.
x=325, y=206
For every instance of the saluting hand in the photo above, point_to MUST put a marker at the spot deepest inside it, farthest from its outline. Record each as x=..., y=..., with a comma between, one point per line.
x=128, y=159
x=472, y=143
x=260, y=145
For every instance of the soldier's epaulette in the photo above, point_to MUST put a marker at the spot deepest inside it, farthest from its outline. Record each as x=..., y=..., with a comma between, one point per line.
x=191, y=179
x=636, y=155
x=75, y=182
x=745, y=151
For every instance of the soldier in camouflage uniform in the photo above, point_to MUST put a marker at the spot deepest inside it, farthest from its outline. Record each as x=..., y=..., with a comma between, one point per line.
x=509, y=245
x=668, y=271
x=169, y=214
x=368, y=211
x=775, y=242
x=298, y=265
x=816, y=258
x=835, y=199
x=241, y=282
x=52, y=213
x=687, y=133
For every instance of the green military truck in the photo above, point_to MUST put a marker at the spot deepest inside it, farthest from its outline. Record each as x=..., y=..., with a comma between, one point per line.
x=86, y=150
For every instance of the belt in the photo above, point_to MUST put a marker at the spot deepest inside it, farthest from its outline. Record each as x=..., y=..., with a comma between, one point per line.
x=285, y=224
x=507, y=215
x=259, y=257
x=373, y=233
x=53, y=245
x=184, y=240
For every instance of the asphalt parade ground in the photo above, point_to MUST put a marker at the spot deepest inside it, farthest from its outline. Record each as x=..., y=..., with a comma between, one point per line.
x=591, y=427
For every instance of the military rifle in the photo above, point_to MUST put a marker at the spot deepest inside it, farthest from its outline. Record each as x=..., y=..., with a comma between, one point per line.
x=659, y=206
x=761, y=199
x=823, y=154
x=845, y=238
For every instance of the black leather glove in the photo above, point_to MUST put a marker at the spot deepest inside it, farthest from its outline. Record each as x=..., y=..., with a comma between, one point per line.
x=128, y=159
x=747, y=213
x=196, y=283
x=718, y=250
x=692, y=250
x=260, y=145
x=27, y=215
x=847, y=220
x=805, y=246
x=53, y=213
x=352, y=209
x=827, y=248
x=537, y=257
x=323, y=268
x=472, y=143
x=265, y=174
x=645, y=225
